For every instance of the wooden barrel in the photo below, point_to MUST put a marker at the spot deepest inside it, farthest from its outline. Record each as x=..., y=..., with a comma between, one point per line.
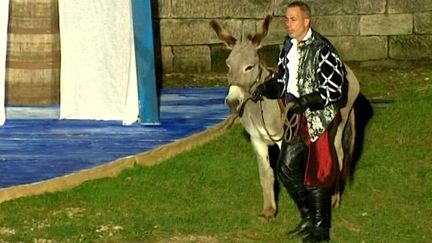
x=33, y=53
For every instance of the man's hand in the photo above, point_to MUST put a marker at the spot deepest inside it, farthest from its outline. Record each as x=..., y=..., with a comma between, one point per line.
x=257, y=95
x=312, y=101
x=271, y=89
x=297, y=106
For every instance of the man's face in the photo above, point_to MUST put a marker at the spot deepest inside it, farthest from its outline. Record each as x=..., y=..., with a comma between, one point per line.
x=297, y=23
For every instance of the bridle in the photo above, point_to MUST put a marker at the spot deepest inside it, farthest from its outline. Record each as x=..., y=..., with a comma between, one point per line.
x=240, y=110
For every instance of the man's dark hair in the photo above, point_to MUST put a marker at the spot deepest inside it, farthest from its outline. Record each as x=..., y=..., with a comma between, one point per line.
x=303, y=7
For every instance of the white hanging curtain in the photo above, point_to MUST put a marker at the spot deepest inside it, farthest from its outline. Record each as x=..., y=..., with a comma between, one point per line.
x=4, y=19
x=98, y=71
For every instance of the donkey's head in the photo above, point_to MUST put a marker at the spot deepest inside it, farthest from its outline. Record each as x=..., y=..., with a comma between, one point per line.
x=244, y=69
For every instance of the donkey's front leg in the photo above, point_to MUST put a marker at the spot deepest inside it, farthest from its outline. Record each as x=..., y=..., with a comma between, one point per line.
x=267, y=180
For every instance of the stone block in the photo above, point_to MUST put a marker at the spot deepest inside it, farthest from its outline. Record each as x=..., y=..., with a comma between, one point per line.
x=269, y=55
x=408, y=6
x=361, y=48
x=167, y=57
x=411, y=46
x=191, y=59
x=318, y=7
x=221, y=8
x=277, y=32
x=193, y=32
x=249, y=27
x=337, y=25
x=219, y=54
x=423, y=23
x=163, y=8
x=393, y=24
x=365, y=7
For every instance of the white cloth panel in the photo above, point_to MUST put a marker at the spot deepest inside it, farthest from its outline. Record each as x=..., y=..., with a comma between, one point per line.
x=4, y=19
x=98, y=72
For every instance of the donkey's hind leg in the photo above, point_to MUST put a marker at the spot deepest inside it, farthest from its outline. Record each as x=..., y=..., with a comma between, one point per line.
x=346, y=143
x=267, y=180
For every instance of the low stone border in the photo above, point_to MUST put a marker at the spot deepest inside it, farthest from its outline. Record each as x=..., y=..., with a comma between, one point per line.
x=113, y=168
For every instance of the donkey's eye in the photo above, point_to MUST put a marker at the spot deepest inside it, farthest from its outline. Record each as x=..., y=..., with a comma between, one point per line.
x=248, y=68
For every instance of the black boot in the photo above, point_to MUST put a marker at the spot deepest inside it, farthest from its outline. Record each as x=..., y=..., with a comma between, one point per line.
x=291, y=173
x=321, y=201
x=300, y=197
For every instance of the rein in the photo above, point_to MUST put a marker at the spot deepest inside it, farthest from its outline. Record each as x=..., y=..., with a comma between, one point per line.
x=292, y=123
x=243, y=104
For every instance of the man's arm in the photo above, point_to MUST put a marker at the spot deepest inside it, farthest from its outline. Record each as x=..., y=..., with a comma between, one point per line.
x=331, y=75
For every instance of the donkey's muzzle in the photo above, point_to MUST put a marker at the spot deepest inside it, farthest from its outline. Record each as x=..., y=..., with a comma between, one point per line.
x=233, y=105
x=234, y=98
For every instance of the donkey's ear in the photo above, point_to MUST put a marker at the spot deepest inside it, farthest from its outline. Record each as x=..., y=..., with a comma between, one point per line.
x=258, y=37
x=223, y=34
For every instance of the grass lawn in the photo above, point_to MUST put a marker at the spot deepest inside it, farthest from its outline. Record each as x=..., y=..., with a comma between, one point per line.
x=212, y=193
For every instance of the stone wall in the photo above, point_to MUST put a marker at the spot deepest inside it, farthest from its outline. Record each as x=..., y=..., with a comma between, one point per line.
x=361, y=30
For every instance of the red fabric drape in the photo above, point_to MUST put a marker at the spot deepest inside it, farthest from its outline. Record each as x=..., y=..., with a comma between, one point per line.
x=321, y=168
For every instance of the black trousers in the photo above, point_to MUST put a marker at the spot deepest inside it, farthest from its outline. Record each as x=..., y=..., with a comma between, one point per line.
x=291, y=165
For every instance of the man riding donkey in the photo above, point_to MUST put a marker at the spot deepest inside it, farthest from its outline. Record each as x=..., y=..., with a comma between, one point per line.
x=311, y=77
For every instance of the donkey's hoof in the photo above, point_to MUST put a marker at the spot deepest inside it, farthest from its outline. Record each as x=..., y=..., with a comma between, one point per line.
x=267, y=215
x=266, y=219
